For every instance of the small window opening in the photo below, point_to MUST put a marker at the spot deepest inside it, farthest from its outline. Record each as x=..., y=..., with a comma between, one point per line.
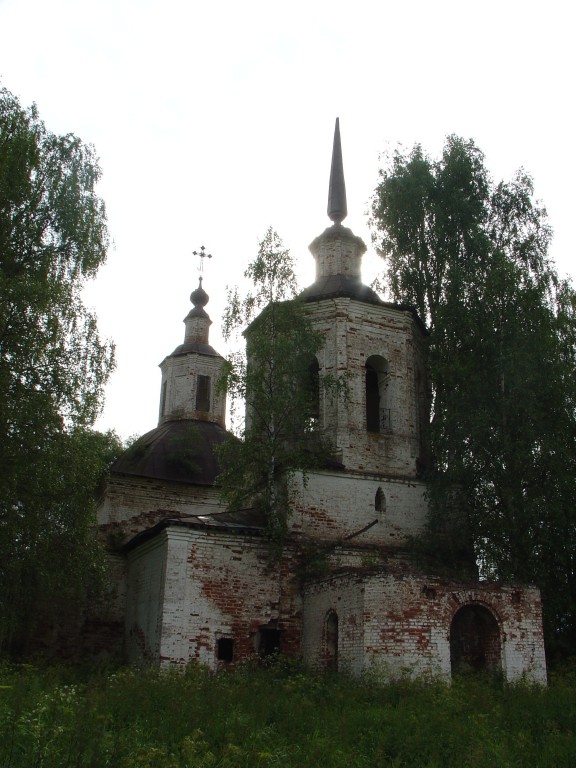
x=203, y=393
x=163, y=398
x=380, y=501
x=225, y=649
x=268, y=641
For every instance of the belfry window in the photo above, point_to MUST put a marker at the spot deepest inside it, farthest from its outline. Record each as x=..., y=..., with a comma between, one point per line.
x=372, y=400
x=378, y=415
x=422, y=419
x=203, y=393
x=313, y=385
x=307, y=385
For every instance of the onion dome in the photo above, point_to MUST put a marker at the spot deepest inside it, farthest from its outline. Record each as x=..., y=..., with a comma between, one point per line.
x=199, y=297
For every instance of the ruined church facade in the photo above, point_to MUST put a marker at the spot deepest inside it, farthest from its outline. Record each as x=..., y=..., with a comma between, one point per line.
x=194, y=581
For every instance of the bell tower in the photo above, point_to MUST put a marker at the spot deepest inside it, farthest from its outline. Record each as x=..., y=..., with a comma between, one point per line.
x=190, y=373
x=379, y=427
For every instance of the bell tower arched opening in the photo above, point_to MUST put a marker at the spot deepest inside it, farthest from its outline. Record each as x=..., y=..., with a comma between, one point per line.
x=378, y=417
x=313, y=391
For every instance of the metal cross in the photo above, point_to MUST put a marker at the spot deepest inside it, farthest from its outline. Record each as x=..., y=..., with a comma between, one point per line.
x=202, y=255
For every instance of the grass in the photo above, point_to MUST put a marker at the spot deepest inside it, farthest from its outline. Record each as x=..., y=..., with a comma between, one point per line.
x=59, y=717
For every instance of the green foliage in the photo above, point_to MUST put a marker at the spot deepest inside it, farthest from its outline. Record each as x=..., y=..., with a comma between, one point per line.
x=282, y=715
x=53, y=367
x=313, y=560
x=50, y=558
x=278, y=386
x=471, y=255
x=53, y=237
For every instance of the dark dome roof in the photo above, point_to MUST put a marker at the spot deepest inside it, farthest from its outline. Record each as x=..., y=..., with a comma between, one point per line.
x=195, y=346
x=183, y=451
x=335, y=286
x=342, y=286
x=199, y=297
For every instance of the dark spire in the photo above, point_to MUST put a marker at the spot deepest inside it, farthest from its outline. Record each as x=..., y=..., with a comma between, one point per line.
x=337, y=210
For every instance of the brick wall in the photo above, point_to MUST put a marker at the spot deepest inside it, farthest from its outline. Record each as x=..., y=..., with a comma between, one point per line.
x=134, y=504
x=180, y=381
x=404, y=624
x=190, y=587
x=343, y=596
x=354, y=331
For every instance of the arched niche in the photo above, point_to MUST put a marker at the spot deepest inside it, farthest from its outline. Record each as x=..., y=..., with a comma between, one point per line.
x=331, y=640
x=475, y=640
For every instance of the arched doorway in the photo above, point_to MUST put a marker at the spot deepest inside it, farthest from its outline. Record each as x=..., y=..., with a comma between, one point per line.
x=475, y=642
x=331, y=641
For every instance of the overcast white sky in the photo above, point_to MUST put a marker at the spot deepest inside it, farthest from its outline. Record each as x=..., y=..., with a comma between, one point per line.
x=214, y=120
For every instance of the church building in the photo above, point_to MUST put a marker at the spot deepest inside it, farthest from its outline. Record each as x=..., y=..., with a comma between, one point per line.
x=194, y=582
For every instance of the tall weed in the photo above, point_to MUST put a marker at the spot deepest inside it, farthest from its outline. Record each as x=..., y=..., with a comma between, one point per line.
x=59, y=717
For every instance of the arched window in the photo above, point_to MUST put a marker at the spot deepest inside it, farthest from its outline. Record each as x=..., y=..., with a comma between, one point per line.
x=331, y=641
x=378, y=417
x=380, y=501
x=475, y=640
